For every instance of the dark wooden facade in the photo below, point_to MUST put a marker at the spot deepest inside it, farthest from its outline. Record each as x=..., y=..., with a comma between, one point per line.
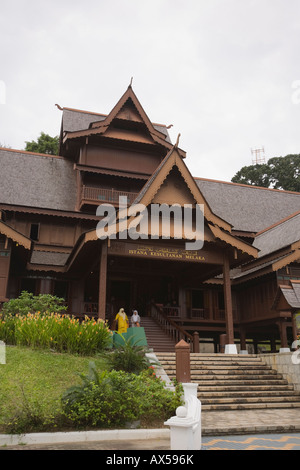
x=49, y=242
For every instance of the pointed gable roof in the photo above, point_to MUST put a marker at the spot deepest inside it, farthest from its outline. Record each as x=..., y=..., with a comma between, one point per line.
x=150, y=189
x=129, y=109
x=219, y=228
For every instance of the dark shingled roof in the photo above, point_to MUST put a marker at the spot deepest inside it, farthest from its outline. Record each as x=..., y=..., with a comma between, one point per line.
x=35, y=180
x=75, y=120
x=49, y=258
x=42, y=181
x=292, y=294
x=248, y=208
x=279, y=236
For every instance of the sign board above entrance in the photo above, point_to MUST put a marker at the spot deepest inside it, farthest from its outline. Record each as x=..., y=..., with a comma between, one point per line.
x=163, y=252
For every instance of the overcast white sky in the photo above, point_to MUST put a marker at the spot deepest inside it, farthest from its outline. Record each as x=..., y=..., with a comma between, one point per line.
x=221, y=71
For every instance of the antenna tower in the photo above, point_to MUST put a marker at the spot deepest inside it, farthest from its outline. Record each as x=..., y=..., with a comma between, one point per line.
x=258, y=155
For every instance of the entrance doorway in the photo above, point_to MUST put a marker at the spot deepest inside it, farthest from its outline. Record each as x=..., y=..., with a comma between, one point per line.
x=120, y=296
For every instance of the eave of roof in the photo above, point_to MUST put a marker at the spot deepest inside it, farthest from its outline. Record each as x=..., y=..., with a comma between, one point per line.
x=15, y=236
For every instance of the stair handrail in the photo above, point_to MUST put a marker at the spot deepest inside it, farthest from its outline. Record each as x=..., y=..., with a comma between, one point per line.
x=169, y=326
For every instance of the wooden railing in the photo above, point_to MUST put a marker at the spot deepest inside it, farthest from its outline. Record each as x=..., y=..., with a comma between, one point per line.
x=200, y=313
x=105, y=195
x=170, y=327
x=89, y=308
x=171, y=311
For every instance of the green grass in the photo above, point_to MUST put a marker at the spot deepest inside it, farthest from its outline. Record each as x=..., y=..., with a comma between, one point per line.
x=39, y=377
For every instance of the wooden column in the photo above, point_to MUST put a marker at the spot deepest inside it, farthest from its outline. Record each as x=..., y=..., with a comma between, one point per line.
x=5, y=257
x=243, y=339
x=46, y=286
x=294, y=328
x=228, y=299
x=102, y=281
x=283, y=336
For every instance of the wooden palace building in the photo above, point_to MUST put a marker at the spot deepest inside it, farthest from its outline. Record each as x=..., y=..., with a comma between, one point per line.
x=242, y=286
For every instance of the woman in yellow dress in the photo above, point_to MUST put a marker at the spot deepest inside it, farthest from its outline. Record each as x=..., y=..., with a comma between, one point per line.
x=122, y=320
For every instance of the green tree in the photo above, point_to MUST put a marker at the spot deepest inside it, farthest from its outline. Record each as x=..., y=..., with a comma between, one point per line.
x=254, y=175
x=285, y=172
x=44, y=144
x=278, y=173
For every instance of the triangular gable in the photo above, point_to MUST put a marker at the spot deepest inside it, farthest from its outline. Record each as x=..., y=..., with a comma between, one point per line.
x=151, y=188
x=128, y=108
x=215, y=227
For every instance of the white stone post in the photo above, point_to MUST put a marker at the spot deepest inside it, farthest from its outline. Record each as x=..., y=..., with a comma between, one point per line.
x=185, y=427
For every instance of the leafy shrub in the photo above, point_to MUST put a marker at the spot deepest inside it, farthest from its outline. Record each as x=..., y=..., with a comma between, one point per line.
x=30, y=416
x=110, y=399
x=29, y=303
x=129, y=357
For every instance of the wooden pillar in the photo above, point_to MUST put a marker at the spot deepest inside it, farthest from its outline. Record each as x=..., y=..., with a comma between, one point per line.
x=102, y=281
x=283, y=336
x=5, y=257
x=294, y=328
x=228, y=299
x=243, y=339
x=46, y=286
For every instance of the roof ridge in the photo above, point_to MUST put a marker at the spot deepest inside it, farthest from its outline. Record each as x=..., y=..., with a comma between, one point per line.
x=32, y=153
x=84, y=112
x=285, y=219
x=246, y=185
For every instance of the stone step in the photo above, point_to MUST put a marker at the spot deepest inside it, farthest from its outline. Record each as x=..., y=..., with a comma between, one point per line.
x=217, y=365
x=236, y=379
x=245, y=388
x=240, y=380
x=197, y=367
x=216, y=357
x=156, y=338
x=246, y=394
x=235, y=382
x=249, y=406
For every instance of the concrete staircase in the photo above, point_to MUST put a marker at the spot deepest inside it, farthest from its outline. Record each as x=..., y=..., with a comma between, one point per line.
x=156, y=338
x=235, y=382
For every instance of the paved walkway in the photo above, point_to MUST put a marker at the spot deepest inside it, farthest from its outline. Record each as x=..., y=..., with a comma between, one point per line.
x=241, y=430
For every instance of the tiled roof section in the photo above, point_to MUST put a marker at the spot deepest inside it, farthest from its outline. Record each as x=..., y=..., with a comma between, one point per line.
x=278, y=236
x=248, y=208
x=292, y=295
x=76, y=120
x=36, y=180
x=49, y=258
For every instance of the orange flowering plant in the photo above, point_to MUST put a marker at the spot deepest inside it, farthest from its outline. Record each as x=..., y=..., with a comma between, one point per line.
x=60, y=332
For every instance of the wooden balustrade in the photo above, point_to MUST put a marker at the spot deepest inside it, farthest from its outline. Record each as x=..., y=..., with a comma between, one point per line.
x=200, y=313
x=89, y=308
x=171, y=311
x=105, y=195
